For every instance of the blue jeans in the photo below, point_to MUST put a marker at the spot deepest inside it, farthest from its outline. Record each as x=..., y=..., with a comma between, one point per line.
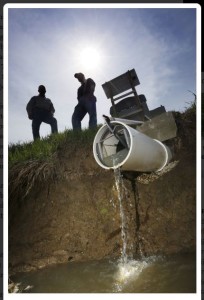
x=46, y=118
x=85, y=105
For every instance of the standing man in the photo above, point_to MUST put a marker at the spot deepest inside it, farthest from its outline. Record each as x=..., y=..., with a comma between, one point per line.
x=86, y=102
x=40, y=109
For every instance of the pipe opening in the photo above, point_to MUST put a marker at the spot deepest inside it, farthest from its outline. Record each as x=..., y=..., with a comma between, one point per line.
x=113, y=146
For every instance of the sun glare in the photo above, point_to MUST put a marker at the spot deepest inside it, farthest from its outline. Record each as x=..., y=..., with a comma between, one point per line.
x=90, y=57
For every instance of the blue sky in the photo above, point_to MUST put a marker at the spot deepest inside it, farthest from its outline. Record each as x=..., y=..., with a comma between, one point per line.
x=45, y=44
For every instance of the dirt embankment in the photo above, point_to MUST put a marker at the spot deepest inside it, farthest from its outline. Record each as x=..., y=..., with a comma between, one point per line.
x=76, y=215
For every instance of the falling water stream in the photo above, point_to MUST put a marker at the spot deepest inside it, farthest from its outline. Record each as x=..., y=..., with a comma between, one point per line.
x=128, y=269
x=119, y=187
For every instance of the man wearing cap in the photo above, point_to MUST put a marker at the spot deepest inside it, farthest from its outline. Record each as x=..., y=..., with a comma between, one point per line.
x=40, y=109
x=86, y=102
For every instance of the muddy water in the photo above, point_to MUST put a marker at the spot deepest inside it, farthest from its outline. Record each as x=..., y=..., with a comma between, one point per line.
x=150, y=275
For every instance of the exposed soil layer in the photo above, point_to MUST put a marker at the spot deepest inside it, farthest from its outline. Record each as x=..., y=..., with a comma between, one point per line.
x=76, y=216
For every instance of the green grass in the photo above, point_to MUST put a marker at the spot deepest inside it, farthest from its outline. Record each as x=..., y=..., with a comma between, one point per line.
x=191, y=108
x=44, y=149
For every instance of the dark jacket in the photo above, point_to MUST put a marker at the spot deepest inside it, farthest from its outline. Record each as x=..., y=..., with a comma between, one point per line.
x=39, y=105
x=86, y=90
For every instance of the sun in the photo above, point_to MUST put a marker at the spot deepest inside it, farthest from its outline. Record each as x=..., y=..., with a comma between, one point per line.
x=90, y=58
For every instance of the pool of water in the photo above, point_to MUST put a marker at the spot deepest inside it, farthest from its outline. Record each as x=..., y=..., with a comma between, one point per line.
x=149, y=275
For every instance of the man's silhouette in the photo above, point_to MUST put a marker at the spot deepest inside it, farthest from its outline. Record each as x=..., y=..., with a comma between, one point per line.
x=40, y=109
x=86, y=102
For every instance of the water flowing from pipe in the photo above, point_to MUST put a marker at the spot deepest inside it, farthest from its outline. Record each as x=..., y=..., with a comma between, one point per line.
x=128, y=269
x=119, y=187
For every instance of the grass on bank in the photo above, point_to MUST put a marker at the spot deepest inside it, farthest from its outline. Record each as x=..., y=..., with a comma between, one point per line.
x=190, y=110
x=44, y=149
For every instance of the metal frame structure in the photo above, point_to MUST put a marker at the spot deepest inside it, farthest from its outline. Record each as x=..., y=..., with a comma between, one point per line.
x=119, y=85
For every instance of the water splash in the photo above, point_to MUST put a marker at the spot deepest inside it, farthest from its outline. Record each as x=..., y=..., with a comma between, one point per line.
x=130, y=271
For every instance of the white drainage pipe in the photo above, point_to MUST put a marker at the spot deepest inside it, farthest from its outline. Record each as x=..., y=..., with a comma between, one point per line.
x=129, y=149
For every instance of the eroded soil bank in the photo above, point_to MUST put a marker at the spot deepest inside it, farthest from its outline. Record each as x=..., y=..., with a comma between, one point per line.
x=75, y=216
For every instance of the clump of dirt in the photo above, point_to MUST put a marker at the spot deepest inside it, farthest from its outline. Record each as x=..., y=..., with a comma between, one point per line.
x=74, y=214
